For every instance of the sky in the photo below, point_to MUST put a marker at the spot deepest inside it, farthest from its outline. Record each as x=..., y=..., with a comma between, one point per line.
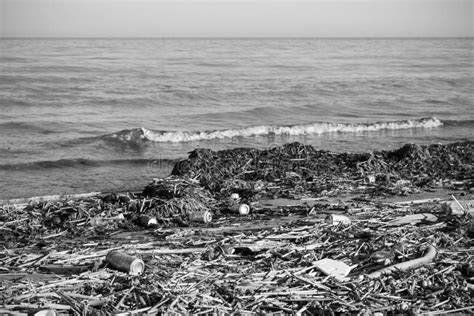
x=236, y=18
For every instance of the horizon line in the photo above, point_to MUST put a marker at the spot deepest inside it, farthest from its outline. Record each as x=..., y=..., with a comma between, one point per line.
x=238, y=37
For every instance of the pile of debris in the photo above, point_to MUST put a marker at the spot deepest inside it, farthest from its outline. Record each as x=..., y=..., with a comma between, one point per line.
x=175, y=199
x=302, y=169
x=186, y=244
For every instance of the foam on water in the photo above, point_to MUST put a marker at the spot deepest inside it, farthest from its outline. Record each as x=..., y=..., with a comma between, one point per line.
x=141, y=134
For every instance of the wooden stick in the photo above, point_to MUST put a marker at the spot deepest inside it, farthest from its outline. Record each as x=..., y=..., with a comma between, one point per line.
x=155, y=308
x=457, y=202
x=82, y=257
x=445, y=312
x=407, y=265
x=60, y=283
x=175, y=251
x=101, y=253
x=31, y=295
x=54, y=235
x=302, y=309
x=30, y=262
x=422, y=201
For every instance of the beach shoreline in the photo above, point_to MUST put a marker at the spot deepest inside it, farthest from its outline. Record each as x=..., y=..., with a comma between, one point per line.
x=307, y=208
x=94, y=132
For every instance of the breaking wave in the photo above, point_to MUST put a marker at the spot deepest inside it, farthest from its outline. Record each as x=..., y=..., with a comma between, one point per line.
x=143, y=134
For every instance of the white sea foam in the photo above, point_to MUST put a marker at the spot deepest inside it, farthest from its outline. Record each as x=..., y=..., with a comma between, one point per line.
x=292, y=130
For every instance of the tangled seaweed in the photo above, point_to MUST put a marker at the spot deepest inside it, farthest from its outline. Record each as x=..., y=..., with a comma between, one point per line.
x=296, y=165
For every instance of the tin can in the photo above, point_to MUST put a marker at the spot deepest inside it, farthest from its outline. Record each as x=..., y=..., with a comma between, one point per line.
x=334, y=219
x=124, y=262
x=200, y=216
x=147, y=221
x=370, y=179
x=242, y=209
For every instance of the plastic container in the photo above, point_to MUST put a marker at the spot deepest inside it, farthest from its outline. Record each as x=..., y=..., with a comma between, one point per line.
x=124, y=262
x=200, y=217
x=334, y=219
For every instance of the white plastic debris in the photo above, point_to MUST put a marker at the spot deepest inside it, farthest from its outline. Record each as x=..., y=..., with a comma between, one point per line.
x=337, y=269
x=335, y=219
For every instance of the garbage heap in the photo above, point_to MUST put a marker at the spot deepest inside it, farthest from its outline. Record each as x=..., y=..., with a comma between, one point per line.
x=301, y=249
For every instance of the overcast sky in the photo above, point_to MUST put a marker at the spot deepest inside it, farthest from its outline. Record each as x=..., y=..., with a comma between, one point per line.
x=236, y=18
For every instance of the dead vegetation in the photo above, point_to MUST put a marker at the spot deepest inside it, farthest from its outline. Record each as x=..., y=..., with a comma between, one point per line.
x=393, y=257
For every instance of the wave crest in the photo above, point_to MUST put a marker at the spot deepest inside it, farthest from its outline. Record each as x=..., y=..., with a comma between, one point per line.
x=141, y=134
x=291, y=130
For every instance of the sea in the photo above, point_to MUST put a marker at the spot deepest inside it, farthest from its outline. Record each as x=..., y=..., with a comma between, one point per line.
x=102, y=115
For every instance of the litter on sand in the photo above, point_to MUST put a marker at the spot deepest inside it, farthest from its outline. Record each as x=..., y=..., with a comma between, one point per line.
x=317, y=238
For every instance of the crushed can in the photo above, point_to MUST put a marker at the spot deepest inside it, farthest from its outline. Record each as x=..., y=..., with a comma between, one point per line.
x=200, y=216
x=125, y=262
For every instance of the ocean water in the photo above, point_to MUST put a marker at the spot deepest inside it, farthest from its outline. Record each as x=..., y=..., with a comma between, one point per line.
x=81, y=115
